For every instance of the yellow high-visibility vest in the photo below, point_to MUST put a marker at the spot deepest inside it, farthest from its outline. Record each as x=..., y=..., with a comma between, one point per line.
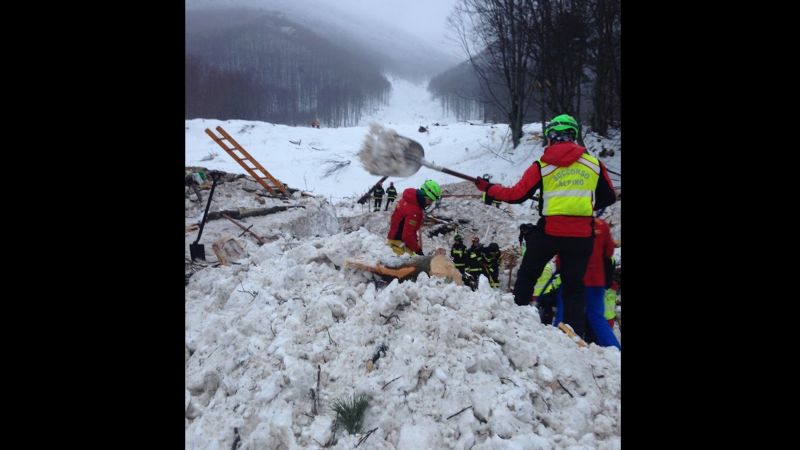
x=610, y=300
x=569, y=191
x=547, y=273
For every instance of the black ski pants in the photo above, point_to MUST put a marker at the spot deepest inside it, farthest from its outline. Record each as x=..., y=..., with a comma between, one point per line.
x=547, y=305
x=574, y=254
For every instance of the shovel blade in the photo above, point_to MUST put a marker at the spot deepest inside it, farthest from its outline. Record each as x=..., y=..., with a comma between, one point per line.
x=386, y=153
x=197, y=251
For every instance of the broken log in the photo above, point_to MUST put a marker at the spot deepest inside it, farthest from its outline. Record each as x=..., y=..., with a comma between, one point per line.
x=261, y=241
x=244, y=212
x=436, y=265
x=443, y=267
x=380, y=269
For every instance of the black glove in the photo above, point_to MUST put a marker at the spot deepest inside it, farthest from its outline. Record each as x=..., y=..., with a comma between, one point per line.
x=526, y=228
x=420, y=253
x=609, y=271
x=487, y=199
x=483, y=184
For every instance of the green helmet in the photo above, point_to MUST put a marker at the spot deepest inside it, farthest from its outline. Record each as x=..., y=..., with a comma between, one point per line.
x=562, y=123
x=431, y=190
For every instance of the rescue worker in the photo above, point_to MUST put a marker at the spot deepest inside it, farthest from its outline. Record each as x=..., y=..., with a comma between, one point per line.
x=573, y=184
x=597, y=277
x=473, y=263
x=391, y=194
x=457, y=253
x=408, y=216
x=544, y=293
x=491, y=264
x=610, y=300
x=377, y=195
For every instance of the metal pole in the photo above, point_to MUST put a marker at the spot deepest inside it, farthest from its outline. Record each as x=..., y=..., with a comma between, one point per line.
x=214, y=176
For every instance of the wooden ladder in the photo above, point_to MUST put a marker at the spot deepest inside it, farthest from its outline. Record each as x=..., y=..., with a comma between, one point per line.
x=261, y=179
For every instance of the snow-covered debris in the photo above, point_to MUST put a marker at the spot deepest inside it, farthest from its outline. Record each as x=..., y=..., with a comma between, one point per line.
x=287, y=328
x=255, y=358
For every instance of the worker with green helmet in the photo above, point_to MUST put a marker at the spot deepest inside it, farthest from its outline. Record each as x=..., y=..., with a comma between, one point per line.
x=408, y=216
x=574, y=184
x=545, y=291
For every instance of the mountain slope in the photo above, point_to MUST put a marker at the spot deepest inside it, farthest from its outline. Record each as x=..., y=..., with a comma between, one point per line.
x=394, y=50
x=259, y=66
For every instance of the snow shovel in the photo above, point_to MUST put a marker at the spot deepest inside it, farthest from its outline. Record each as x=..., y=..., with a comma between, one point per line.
x=198, y=251
x=386, y=153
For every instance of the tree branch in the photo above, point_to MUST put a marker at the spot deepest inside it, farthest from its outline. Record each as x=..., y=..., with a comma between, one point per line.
x=364, y=438
x=384, y=386
x=450, y=417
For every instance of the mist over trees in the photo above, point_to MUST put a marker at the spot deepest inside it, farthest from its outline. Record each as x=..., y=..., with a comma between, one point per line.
x=459, y=92
x=256, y=65
x=526, y=61
x=536, y=57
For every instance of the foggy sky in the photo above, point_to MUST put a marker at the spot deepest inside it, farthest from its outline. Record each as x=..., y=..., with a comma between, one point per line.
x=426, y=19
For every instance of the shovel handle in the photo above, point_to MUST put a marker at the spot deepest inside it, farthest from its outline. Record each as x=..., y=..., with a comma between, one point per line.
x=459, y=175
x=214, y=178
x=433, y=166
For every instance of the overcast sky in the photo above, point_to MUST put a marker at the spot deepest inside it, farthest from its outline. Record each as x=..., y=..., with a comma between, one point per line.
x=426, y=19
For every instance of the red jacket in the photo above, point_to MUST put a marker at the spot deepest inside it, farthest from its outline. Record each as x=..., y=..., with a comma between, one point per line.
x=560, y=154
x=603, y=249
x=407, y=219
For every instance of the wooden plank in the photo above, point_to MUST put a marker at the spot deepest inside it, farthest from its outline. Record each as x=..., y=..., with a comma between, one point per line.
x=568, y=330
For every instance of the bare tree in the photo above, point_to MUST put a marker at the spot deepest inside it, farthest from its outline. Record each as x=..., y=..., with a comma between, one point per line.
x=561, y=54
x=458, y=91
x=605, y=63
x=493, y=34
x=558, y=32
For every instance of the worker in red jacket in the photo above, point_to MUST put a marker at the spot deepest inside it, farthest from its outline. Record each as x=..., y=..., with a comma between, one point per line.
x=573, y=184
x=408, y=216
x=595, y=282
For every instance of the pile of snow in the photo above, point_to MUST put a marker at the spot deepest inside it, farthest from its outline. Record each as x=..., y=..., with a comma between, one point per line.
x=256, y=334
x=260, y=331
